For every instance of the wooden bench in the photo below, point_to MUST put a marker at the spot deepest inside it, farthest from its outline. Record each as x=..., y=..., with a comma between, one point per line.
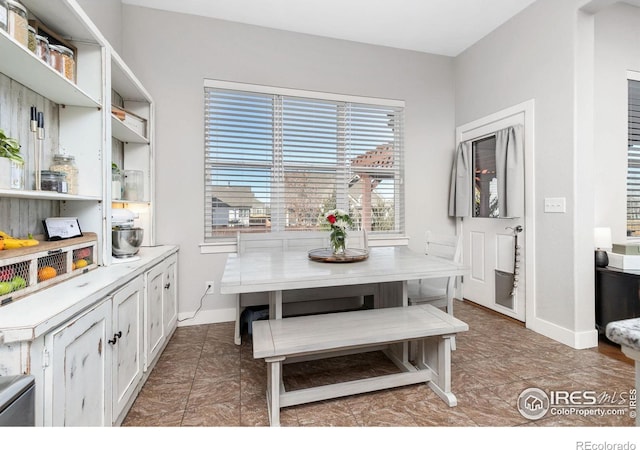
x=280, y=339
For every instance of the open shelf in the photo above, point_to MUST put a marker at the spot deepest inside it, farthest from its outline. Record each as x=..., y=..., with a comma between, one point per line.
x=124, y=133
x=45, y=195
x=20, y=63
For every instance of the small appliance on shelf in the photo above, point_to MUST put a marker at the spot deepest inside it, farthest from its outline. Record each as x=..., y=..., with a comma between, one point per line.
x=125, y=237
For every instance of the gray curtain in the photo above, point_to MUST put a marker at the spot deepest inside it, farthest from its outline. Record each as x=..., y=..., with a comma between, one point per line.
x=509, y=174
x=510, y=171
x=460, y=194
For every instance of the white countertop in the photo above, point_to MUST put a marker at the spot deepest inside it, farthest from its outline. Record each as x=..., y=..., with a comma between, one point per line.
x=32, y=316
x=258, y=271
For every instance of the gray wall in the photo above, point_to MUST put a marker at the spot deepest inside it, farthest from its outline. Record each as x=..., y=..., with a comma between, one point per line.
x=532, y=57
x=107, y=15
x=172, y=66
x=617, y=42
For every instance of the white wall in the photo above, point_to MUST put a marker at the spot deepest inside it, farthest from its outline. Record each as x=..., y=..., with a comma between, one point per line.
x=617, y=50
x=532, y=57
x=172, y=54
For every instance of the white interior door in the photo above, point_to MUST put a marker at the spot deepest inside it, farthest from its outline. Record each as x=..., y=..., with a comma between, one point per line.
x=494, y=248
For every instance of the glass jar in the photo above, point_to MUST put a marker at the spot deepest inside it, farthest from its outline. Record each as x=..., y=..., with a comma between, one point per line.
x=56, y=60
x=133, y=188
x=66, y=165
x=32, y=42
x=68, y=63
x=51, y=181
x=3, y=15
x=43, y=49
x=17, y=24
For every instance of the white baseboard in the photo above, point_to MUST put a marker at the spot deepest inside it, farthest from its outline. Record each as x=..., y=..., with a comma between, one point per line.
x=208, y=316
x=575, y=339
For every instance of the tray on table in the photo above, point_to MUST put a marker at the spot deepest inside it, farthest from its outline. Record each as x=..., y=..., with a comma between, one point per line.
x=349, y=255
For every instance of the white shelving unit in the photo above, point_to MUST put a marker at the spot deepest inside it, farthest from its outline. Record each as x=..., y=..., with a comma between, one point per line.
x=44, y=330
x=86, y=125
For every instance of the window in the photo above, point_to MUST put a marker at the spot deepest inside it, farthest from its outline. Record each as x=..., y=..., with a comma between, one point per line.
x=485, y=183
x=633, y=160
x=278, y=159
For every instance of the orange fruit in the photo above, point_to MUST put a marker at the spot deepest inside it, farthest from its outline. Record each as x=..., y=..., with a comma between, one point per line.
x=46, y=273
x=1, y=244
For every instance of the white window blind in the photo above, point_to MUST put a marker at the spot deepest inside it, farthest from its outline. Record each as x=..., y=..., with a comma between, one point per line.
x=278, y=162
x=633, y=161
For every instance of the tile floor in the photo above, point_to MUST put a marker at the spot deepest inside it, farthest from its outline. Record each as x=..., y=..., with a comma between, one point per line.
x=203, y=379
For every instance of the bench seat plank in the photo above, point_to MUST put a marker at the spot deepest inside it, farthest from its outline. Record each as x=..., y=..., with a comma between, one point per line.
x=307, y=335
x=278, y=339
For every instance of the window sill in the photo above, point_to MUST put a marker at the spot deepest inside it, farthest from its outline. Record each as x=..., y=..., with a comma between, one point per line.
x=231, y=246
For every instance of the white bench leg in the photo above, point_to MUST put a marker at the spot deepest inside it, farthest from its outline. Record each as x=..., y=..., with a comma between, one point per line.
x=435, y=353
x=274, y=380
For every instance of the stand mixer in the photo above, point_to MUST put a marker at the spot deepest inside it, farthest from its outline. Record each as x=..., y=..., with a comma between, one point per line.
x=125, y=238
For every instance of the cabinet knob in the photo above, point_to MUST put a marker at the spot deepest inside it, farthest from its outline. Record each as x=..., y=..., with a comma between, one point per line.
x=116, y=336
x=167, y=286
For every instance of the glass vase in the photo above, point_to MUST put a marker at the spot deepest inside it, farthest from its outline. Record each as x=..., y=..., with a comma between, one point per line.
x=338, y=240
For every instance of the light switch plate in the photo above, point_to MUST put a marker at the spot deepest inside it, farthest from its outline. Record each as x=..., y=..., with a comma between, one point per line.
x=555, y=205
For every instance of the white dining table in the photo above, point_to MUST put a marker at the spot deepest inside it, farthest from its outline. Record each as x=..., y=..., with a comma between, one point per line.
x=388, y=268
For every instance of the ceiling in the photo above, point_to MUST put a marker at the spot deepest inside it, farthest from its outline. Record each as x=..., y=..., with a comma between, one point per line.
x=443, y=27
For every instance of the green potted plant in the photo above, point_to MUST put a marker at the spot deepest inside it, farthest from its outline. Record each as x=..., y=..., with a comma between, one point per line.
x=11, y=163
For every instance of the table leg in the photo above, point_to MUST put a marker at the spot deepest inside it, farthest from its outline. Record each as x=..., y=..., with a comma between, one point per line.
x=275, y=305
x=238, y=338
x=405, y=293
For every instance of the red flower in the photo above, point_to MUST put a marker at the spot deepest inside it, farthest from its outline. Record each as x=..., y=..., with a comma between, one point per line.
x=331, y=218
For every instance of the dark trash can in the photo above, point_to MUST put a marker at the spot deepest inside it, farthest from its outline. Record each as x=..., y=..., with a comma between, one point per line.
x=250, y=314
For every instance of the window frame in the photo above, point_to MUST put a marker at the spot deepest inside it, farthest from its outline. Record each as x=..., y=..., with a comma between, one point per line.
x=632, y=77
x=397, y=235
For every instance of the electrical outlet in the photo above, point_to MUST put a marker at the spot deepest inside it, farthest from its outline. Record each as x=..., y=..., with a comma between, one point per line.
x=209, y=285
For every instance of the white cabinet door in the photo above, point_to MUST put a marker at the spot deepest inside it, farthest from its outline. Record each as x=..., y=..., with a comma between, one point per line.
x=126, y=343
x=161, y=307
x=170, y=295
x=154, y=311
x=78, y=384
